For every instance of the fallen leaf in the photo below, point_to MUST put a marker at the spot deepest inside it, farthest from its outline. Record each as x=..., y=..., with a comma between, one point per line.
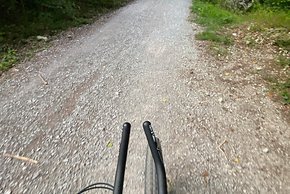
x=109, y=144
x=205, y=174
x=165, y=100
x=237, y=160
x=271, y=94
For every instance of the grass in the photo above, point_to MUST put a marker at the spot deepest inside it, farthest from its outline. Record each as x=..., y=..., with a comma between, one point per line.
x=281, y=88
x=213, y=18
x=214, y=36
x=283, y=61
x=283, y=42
x=266, y=18
x=268, y=24
x=277, y=22
x=286, y=97
x=285, y=91
x=8, y=59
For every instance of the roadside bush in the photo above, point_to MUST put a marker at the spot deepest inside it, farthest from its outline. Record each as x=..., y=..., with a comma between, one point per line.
x=23, y=18
x=277, y=4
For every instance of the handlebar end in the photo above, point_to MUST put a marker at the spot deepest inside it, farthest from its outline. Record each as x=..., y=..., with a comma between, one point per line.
x=126, y=125
x=146, y=124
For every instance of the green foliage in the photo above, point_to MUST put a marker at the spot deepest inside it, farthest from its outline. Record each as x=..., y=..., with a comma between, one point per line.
x=8, y=59
x=2, y=36
x=286, y=84
x=213, y=16
x=267, y=18
x=21, y=19
x=282, y=88
x=283, y=42
x=284, y=61
x=273, y=4
x=213, y=36
x=277, y=4
x=277, y=21
x=286, y=97
x=24, y=18
x=285, y=91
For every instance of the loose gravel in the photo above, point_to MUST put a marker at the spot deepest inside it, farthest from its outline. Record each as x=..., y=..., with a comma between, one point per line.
x=219, y=132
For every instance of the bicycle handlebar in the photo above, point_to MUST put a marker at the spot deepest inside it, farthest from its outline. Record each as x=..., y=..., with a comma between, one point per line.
x=159, y=165
x=120, y=171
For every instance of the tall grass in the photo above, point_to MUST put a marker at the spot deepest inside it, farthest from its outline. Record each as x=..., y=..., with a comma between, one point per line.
x=267, y=18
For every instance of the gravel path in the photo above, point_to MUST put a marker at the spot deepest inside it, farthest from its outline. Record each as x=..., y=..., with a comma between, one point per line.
x=220, y=134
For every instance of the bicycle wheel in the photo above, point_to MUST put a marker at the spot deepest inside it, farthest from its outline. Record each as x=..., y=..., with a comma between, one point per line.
x=151, y=182
x=150, y=174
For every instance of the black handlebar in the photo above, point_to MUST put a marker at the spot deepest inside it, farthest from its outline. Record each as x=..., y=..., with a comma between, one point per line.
x=120, y=172
x=157, y=157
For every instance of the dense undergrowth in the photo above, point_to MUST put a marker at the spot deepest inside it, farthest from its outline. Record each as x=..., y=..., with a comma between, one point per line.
x=22, y=19
x=262, y=26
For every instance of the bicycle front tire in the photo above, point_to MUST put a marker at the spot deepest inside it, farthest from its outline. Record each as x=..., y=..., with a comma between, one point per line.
x=151, y=185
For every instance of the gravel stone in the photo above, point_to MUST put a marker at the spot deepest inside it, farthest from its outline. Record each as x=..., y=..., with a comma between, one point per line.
x=265, y=150
x=7, y=192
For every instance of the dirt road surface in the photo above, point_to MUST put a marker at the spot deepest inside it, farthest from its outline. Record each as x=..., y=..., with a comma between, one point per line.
x=141, y=63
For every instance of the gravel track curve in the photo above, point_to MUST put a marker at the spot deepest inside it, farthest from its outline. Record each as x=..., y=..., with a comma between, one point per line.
x=141, y=63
